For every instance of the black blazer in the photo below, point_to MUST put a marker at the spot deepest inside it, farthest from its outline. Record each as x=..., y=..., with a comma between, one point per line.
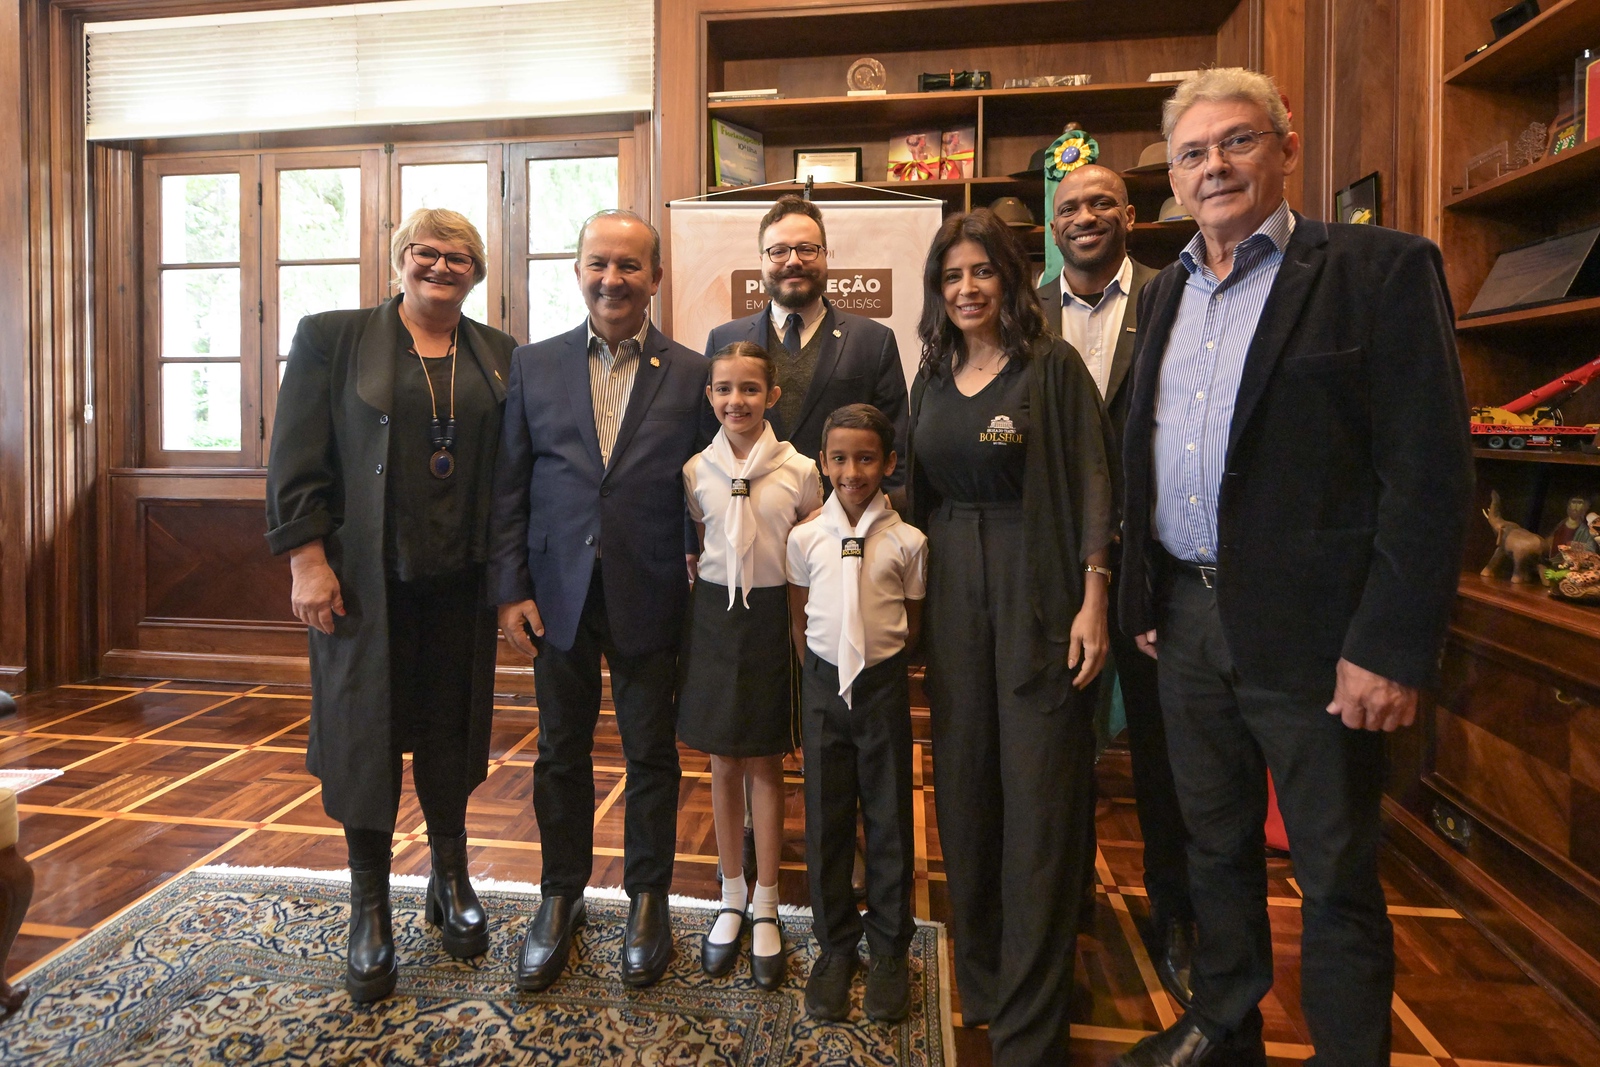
x=556, y=505
x=325, y=479
x=859, y=364
x=1116, y=398
x=1349, y=473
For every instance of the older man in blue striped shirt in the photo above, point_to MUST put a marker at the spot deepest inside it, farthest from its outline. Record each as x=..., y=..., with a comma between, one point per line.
x=1297, y=406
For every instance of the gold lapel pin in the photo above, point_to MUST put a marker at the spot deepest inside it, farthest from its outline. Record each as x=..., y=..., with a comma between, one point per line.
x=655, y=361
x=838, y=333
x=497, y=376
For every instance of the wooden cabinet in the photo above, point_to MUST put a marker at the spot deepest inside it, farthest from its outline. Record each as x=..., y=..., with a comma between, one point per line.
x=805, y=54
x=1495, y=796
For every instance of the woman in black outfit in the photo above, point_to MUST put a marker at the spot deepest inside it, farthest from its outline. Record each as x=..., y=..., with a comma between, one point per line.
x=378, y=487
x=1011, y=477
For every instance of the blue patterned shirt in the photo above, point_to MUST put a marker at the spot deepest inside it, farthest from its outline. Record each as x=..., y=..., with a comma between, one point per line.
x=1199, y=383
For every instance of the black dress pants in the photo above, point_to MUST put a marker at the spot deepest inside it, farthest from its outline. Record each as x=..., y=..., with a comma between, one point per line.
x=1224, y=733
x=1166, y=867
x=1013, y=776
x=859, y=755
x=568, y=687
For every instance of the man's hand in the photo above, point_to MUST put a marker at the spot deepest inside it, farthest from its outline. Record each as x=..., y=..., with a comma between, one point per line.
x=1368, y=701
x=1146, y=642
x=513, y=617
x=314, y=597
x=693, y=564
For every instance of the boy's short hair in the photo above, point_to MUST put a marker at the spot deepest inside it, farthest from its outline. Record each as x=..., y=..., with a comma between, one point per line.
x=860, y=417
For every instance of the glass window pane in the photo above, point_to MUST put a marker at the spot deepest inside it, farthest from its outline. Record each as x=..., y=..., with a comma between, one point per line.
x=307, y=290
x=200, y=407
x=200, y=313
x=477, y=304
x=555, y=303
x=564, y=192
x=200, y=218
x=462, y=187
x=319, y=214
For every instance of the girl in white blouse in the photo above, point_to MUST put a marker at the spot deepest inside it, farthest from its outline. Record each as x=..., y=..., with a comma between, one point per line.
x=745, y=492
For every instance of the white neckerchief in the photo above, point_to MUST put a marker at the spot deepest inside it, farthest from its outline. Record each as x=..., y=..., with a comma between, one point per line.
x=852, y=550
x=765, y=456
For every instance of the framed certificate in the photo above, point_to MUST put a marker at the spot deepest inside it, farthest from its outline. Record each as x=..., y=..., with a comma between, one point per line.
x=827, y=164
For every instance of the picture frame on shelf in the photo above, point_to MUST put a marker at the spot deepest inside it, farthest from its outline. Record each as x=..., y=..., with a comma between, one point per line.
x=1360, y=202
x=738, y=153
x=827, y=164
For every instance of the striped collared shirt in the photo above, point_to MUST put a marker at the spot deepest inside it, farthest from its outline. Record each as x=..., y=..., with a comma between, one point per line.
x=1199, y=383
x=611, y=376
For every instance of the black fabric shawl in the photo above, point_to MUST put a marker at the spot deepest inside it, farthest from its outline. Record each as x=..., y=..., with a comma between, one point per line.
x=1070, y=486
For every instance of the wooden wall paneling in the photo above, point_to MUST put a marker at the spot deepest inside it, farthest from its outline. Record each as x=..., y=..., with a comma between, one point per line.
x=16, y=344
x=63, y=455
x=1420, y=64
x=1364, y=80
x=1284, y=57
x=1239, y=37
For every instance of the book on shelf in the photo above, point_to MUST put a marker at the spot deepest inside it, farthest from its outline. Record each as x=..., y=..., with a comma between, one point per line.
x=739, y=154
x=724, y=95
x=1171, y=75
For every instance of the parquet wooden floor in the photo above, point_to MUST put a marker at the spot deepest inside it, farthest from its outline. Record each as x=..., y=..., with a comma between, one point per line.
x=166, y=776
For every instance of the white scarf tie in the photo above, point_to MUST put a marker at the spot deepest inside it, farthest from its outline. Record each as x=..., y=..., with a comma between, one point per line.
x=852, y=551
x=739, y=527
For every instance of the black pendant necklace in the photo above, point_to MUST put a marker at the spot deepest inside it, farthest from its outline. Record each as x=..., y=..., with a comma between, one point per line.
x=442, y=464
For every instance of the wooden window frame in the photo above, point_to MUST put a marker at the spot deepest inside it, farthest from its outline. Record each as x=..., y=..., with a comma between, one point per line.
x=247, y=166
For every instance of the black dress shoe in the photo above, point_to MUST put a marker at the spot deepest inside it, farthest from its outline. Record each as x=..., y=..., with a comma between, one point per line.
x=370, y=969
x=717, y=958
x=1184, y=1045
x=1174, y=963
x=647, y=944
x=828, y=988
x=548, y=942
x=769, y=971
x=888, y=997
x=452, y=904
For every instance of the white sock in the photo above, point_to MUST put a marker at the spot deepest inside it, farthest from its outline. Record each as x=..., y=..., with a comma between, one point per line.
x=767, y=941
x=734, y=894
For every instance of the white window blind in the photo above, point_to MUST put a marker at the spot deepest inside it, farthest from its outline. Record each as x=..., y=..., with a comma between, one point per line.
x=418, y=61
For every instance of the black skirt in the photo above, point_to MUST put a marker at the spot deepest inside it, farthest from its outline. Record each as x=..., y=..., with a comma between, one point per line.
x=735, y=697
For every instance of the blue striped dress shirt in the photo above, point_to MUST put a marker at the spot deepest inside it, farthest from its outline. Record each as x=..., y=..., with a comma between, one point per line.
x=1199, y=383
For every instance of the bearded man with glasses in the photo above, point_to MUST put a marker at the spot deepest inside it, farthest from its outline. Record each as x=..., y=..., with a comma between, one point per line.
x=825, y=357
x=1297, y=403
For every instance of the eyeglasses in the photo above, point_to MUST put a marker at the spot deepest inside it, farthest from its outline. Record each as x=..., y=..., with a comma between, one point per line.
x=1231, y=147
x=780, y=253
x=427, y=256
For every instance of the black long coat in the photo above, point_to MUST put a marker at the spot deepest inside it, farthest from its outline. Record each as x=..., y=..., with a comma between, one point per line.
x=327, y=478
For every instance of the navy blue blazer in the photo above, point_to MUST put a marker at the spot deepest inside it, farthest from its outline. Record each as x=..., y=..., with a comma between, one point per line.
x=859, y=363
x=555, y=505
x=1349, y=472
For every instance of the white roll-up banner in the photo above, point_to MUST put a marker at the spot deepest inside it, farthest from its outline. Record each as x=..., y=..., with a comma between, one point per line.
x=876, y=252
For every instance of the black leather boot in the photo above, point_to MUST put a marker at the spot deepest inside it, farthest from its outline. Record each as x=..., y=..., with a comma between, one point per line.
x=370, y=969
x=452, y=904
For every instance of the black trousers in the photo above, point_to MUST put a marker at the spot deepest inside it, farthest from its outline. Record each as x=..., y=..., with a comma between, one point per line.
x=1224, y=733
x=1166, y=867
x=859, y=757
x=1013, y=776
x=567, y=684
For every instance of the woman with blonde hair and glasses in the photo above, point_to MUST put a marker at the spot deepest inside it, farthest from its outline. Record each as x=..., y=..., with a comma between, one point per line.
x=378, y=486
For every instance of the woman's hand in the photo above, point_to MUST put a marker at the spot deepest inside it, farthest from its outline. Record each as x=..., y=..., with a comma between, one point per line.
x=315, y=596
x=1091, y=637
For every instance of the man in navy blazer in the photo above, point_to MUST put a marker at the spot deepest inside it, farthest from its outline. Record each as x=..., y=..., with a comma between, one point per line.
x=1297, y=474
x=826, y=358
x=587, y=557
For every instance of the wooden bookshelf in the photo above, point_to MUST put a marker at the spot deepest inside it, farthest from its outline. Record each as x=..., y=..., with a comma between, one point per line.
x=1574, y=458
x=1566, y=315
x=1118, y=43
x=1574, y=173
x=1541, y=48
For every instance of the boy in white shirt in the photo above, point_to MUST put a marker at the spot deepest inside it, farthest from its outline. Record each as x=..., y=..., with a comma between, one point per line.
x=857, y=575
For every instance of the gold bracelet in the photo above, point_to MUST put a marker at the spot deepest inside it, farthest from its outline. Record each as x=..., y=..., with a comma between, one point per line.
x=1092, y=569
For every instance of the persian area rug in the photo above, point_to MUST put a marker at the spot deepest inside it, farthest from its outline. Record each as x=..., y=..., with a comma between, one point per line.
x=246, y=966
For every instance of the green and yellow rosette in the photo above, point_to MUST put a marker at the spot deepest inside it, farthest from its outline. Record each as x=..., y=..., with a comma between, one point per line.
x=1070, y=151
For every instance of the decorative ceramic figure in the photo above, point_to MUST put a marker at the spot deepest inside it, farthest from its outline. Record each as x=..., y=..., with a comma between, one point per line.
x=1521, y=548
